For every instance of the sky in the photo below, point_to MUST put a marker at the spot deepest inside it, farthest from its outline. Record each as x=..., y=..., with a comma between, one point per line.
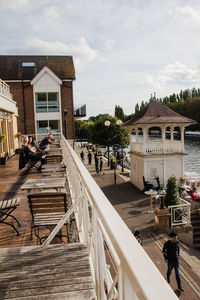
x=123, y=50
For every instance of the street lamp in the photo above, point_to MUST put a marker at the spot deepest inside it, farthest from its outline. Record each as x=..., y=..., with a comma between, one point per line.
x=162, y=194
x=107, y=124
x=119, y=123
x=65, y=122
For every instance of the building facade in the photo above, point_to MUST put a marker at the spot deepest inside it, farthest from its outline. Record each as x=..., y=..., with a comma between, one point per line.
x=42, y=86
x=8, y=122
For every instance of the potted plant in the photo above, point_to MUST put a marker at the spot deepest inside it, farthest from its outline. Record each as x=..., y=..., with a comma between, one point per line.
x=171, y=197
x=2, y=159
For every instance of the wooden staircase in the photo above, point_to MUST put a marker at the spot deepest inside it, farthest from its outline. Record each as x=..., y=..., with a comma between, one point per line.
x=195, y=220
x=46, y=272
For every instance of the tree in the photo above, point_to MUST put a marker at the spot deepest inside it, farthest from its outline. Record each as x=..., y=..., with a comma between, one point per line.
x=172, y=195
x=119, y=113
x=137, y=108
x=108, y=135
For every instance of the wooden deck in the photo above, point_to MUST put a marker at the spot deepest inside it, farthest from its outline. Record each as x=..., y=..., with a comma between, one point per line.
x=28, y=271
x=51, y=272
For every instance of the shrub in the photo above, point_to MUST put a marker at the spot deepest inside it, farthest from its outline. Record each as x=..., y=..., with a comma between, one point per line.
x=172, y=195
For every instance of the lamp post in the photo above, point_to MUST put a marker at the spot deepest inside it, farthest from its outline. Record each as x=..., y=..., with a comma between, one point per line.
x=162, y=194
x=65, y=122
x=107, y=124
x=119, y=123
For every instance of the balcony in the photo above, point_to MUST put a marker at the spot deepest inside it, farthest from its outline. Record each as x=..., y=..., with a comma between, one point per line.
x=6, y=99
x=157, y=147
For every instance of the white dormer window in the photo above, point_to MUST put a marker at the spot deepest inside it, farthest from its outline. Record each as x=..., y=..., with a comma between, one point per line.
x=28, y=64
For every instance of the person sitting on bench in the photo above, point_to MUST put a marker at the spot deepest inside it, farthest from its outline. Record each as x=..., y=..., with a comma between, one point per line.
x=193, y=194
x=47, y=140
x=29, y=156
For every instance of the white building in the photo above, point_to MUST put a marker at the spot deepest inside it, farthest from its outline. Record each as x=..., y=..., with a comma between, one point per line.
x=8, y=121
x=156, y=144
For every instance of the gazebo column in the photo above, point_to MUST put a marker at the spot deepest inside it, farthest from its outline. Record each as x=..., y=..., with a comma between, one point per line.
x=182, y=138
x=163, y=138
x=144, y=139
x=171, y=133
x=136, y=135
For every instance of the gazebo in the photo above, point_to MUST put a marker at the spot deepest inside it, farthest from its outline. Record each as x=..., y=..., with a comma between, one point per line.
x=156, y=144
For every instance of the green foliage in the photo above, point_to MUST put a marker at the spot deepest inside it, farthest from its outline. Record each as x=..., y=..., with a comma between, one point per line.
x=100, y=134
x=2, y=137
x=172, y=195
x=119, y=113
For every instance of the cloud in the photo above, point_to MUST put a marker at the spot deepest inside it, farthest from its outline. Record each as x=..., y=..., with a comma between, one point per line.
x=13, y=4
x=188, y=11
x=51, y=12
x=80, y=50
x=109, y=44
x=174, y=73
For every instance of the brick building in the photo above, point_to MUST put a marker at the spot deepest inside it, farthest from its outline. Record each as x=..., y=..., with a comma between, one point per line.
x=42, y=86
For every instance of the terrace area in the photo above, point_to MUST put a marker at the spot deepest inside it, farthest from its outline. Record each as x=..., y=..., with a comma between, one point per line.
x=100, y=258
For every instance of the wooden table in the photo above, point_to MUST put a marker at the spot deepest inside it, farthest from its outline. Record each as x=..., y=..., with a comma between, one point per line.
x=151, y=193
x=53, y=169
x=57, y=183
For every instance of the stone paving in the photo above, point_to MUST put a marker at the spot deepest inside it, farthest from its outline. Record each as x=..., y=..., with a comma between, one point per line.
x=133, y=206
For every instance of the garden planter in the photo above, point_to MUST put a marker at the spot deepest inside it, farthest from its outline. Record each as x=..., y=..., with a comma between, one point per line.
x=162, y=219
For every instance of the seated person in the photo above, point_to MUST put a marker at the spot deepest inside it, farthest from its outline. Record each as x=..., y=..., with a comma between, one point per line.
x=47, y=140
x=29, y=154
x=31, y=144
x=193, y=194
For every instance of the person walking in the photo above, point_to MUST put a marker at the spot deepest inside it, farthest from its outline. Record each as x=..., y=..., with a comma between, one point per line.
x=96, y=163
x=171, y=253
x=138, y=237
x=89, y=157
x=101, y=165
x=82, y=156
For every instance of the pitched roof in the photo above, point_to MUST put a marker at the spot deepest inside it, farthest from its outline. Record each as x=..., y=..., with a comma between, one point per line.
x=157, y=113
x=11, y=66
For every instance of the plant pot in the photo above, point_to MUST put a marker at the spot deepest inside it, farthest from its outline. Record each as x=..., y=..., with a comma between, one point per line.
x=2, y=160
x=162, y=219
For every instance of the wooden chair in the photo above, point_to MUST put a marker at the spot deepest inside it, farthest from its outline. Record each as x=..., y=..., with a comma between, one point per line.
x=6, y=209
x=47, y=209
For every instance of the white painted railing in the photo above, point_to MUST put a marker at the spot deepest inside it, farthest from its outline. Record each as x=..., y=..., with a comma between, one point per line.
x=180, y=214
x=157, y=147
x=121, y=268
x=5, y=90
x=6, y=99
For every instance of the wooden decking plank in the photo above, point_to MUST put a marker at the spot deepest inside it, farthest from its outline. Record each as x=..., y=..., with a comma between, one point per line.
x=44, y=283
x=45, y=290
x=39, y=261
x=77, y=295
x=43, y=271
x=35, y=278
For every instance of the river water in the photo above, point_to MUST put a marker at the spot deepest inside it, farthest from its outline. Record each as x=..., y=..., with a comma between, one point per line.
x=192, y=159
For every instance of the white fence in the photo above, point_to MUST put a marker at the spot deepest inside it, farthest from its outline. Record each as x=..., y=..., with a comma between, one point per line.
x=180, y=214
x=157, y=147
x=121, y=268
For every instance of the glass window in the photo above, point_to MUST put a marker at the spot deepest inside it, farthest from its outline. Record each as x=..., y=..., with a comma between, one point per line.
x=54, y=124
x=47, y=102
x=52, y=97
x=41, y=97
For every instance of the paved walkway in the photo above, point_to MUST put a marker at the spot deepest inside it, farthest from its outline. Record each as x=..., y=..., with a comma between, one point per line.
x=132, y=205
